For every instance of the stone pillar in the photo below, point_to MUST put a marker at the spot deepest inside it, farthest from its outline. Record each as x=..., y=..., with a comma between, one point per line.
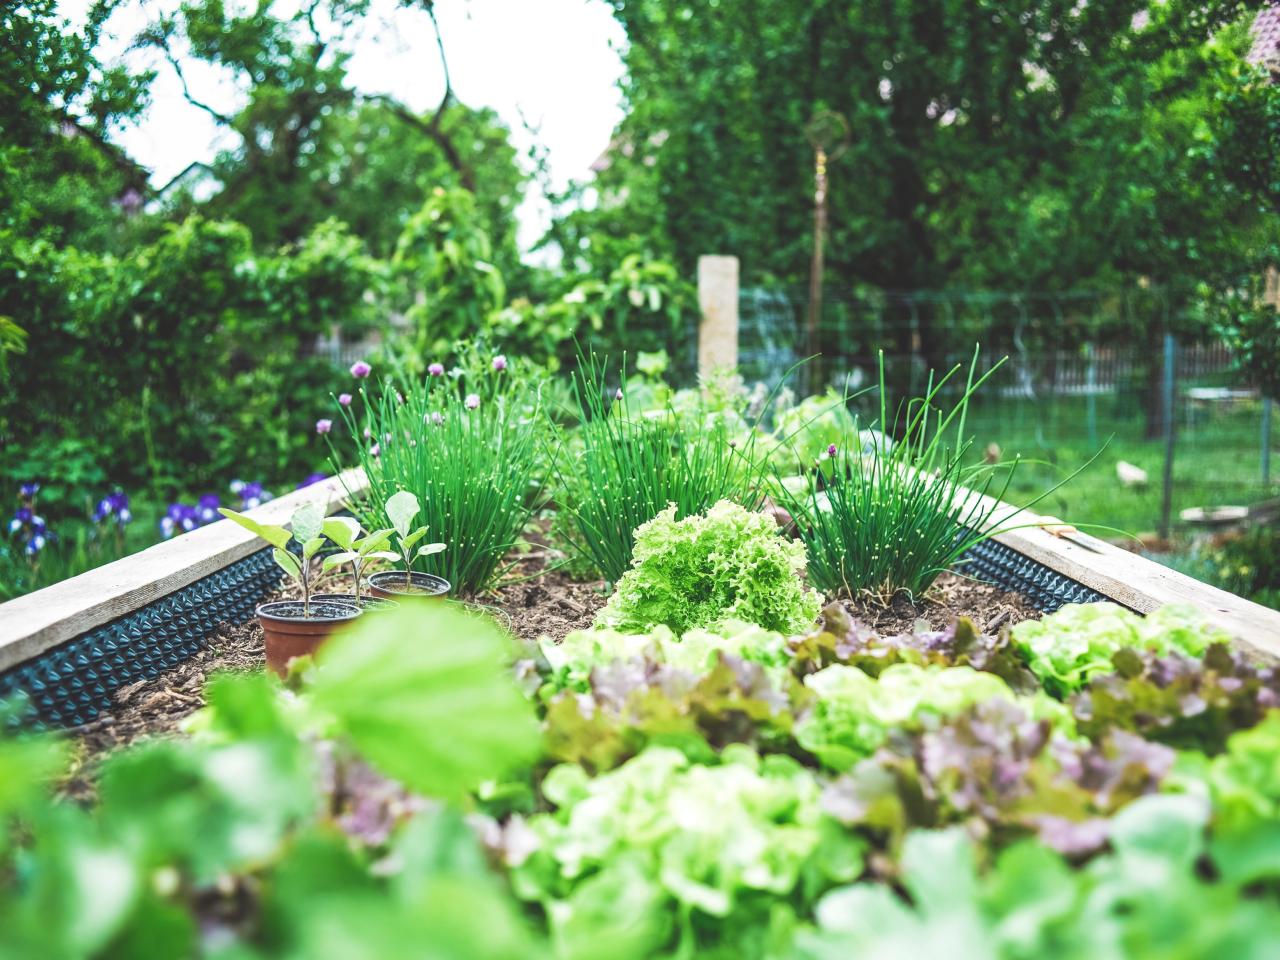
x=718, y=300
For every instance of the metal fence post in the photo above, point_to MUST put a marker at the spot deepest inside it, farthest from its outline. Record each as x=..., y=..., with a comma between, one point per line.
x=1170, y=376
x=1266, y=443
x=718, y=300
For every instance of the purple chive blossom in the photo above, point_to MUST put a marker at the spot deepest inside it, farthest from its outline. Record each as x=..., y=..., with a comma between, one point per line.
x=436, y=417
x=360, y=369
x=323, y=426
x=831, y=450
x=375, y=451
x=499, y=363
x=367, y=433
x=344, y=399
x=436, y=369
x=472, y=401
x=618, y=394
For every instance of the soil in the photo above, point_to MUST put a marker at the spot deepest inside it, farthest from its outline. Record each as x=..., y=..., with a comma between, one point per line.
x=539, y=601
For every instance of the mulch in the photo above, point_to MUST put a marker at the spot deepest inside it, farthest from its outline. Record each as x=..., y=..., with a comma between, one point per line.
x=540, y=600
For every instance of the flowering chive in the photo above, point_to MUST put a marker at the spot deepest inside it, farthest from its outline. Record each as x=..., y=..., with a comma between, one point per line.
x=618, y=394
x=472, y=401
x=344, y=399
x=831, y=450
x=375, y=451
x=360, y=369
x=499, y=362
x=324, y=426
x=436, y=369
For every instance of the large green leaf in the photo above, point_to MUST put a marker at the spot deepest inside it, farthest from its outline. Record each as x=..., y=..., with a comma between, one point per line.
x=274, y=535
x=425, y=695
x=401, y=509
x=307, y=522
x=342, y=531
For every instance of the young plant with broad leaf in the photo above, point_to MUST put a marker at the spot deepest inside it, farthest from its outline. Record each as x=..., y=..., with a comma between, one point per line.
x=356, y=550
x=402, y=509
x=306, y=527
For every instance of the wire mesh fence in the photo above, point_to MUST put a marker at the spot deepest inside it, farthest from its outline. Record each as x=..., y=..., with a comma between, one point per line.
x=1119, y=379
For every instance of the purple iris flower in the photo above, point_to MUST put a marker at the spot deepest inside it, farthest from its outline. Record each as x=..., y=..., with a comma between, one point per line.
x=310, y=479
x=323, y=426
x=499, y=363
x=251, y=495
x=207, y=507
x=436, y=369
x=23, y=515
x=360, y=369
x=29, y=490
x=182, y=516
x=472, y=401
x=114, y=506
x=344, y=399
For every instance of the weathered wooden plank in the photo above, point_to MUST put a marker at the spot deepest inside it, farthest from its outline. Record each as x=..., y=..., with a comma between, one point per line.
x=32, y=624
x=1128, y=579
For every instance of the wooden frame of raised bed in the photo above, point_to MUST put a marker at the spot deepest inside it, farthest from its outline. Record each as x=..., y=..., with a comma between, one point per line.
x=71, y=645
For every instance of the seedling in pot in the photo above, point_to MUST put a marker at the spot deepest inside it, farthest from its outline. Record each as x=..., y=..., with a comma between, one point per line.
x=307, y=523
x=356, y=550
x=402, y=510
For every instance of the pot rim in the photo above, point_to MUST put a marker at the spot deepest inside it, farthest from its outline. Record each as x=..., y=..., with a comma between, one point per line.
x=385, y=579
x=350, y=612
x=350, y=598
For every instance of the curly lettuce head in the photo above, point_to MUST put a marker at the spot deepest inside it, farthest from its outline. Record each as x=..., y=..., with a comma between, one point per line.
x=730, y=563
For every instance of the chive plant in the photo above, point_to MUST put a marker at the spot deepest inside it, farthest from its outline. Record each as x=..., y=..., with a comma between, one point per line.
x=892, y=519
x=471, y=448
x=632, y=464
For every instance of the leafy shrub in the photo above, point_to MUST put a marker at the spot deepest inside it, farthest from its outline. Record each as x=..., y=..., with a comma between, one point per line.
x=729, y=564
x=634, y=463
x=1068, y=648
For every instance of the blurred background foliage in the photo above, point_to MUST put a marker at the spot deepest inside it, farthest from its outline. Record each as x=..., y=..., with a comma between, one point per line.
x=171, y=334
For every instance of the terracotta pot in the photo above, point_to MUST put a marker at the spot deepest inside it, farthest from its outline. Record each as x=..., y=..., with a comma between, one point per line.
x=367, y=603
x=288, y=634
x=390, y=585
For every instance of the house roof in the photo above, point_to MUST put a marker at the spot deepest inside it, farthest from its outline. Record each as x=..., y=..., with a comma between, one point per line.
x=1266, y=35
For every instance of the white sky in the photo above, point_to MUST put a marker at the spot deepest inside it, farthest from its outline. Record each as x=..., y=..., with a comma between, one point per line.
x=556, y=60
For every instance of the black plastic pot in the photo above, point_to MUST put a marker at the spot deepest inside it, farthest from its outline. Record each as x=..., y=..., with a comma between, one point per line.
x=288, y=634
x=367, y=603
x=390, y=585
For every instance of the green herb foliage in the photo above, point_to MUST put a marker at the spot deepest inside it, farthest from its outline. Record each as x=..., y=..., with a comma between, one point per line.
x=694, y=572
x=891, y=518
x=635, y=462
x=476, y=469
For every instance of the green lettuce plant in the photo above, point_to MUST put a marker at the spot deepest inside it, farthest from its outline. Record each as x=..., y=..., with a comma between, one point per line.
x=356, y=550
x=854, y=714
x=307, y=525
x=403, y=509
x=674, y=839
x=730, y=563
x=1066, y=649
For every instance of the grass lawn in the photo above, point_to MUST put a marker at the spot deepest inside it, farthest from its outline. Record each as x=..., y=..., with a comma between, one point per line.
x=1217, y=458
